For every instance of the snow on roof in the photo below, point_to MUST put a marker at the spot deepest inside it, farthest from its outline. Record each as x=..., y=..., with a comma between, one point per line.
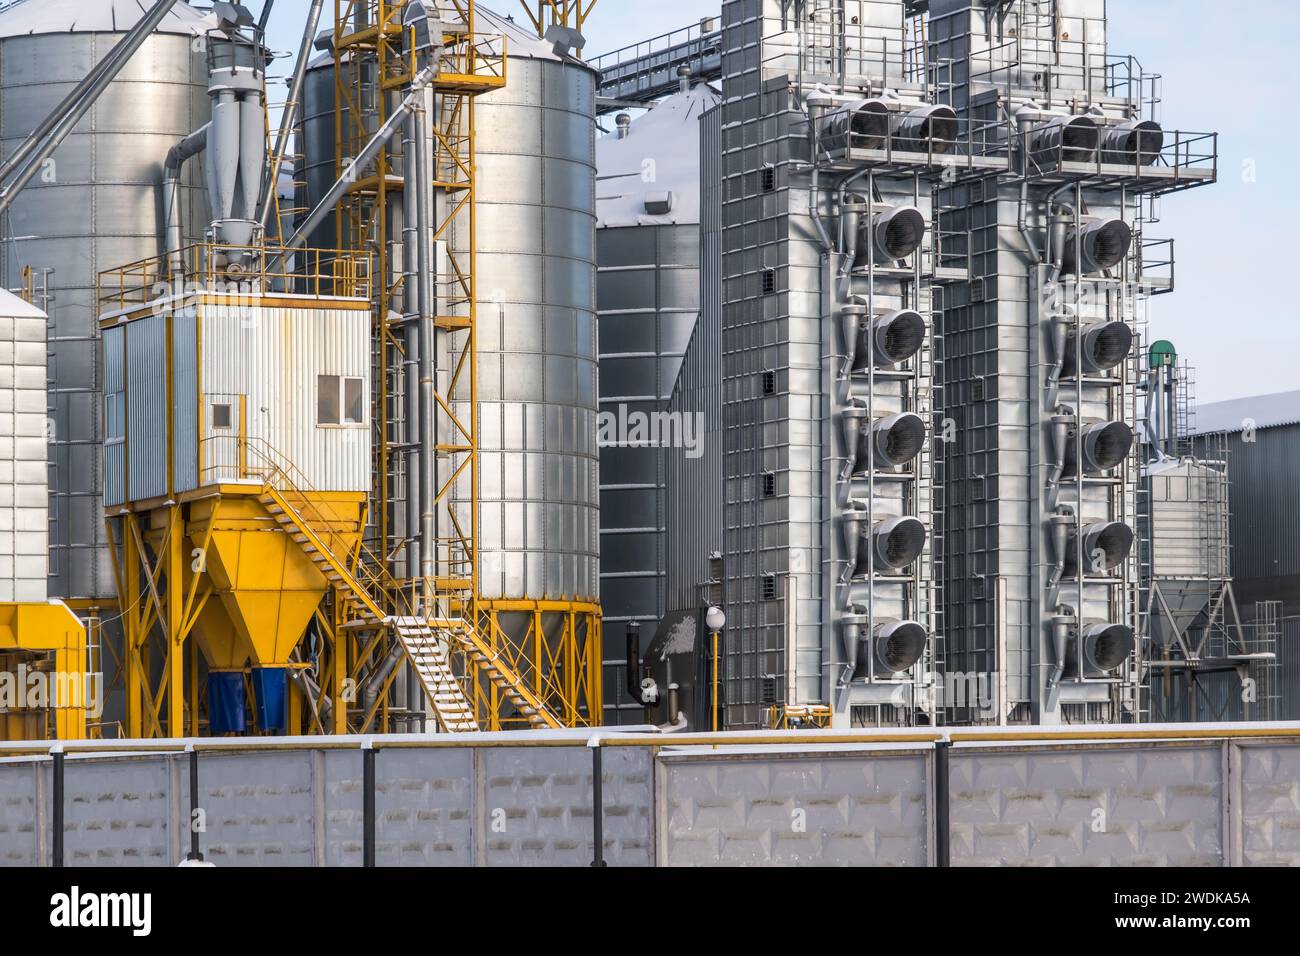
x=1264, y=411
x=95, y=16
x=12, y=307
x=660, y=154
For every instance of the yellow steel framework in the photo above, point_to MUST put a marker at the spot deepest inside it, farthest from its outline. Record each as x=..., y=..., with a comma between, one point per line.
x=556, y=662
x=568, y=13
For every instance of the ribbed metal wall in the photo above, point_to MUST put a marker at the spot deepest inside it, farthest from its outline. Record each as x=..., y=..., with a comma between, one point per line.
x=694, y=502
x=94, y=208
x=536, y=277
x=648, y=295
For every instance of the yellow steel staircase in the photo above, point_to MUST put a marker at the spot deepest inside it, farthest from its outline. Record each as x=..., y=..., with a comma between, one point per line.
x=427, y=642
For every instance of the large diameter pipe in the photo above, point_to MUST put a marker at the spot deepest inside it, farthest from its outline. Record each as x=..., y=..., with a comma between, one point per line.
x=291, y=110
x=60, y=130
x=424, y=267
x=190, y=146
x=386, y=132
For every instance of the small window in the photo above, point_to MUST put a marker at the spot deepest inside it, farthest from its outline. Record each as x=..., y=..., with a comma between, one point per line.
x=769, y=485
x=769, y=587
x=221, y=417
x=769, y=281
x=768, y=178
x=769, y=383
x=340, y=401
x=327, y=399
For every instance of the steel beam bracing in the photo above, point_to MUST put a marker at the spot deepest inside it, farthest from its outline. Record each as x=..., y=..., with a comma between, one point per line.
x=647, y=71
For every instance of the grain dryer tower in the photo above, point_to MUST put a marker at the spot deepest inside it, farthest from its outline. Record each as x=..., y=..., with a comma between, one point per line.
x=1042, y=592
x=831, y=143
x=92, y=206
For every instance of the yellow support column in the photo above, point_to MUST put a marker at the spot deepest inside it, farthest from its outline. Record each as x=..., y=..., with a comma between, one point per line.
x=175, y=663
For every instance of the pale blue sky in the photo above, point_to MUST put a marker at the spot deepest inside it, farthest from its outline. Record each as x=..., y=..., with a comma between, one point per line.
x=1227, y=67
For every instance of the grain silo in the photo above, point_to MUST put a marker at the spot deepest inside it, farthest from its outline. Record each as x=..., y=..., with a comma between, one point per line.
x=648, y=294
x=536, y=278
x=94, y=206
x=535, y=281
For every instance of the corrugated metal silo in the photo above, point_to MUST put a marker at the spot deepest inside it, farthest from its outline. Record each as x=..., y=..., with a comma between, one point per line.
x=648, y=296
x=535, y=275
x=536, y=279
x=95, y=207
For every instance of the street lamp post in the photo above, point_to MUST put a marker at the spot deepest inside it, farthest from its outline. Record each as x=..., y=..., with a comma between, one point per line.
x=715, y=621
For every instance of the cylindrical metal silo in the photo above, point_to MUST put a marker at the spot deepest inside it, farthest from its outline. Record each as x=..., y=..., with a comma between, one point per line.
x=536, y=280
x=648, y=297
x=94, y=207
x=535, y=276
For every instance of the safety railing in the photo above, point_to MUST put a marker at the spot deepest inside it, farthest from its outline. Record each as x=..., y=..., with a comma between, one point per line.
x=1168, y=155
x=235, y=270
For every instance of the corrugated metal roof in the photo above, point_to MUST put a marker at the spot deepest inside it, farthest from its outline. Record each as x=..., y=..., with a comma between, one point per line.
x=95, y=16
x=669, y=137
x=1259, y=411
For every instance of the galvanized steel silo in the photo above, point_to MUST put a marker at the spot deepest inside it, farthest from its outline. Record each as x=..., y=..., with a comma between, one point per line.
x=96, y=206
x=536, y=277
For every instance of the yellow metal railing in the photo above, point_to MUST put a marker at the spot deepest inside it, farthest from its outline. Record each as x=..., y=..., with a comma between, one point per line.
x=237, y=270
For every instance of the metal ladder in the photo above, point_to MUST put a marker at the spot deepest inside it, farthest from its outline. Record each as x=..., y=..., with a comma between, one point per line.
x=426, y=643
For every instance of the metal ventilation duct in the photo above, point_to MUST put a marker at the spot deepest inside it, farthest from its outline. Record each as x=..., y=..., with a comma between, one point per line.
x=929, y=129
x=1105, y=345
x=1137, y=142
x=1097, y=246
x=861, y=125
x=893, y=647
x=1105, y=445
x=891, y=235
x=1106, y=544
x=888, y=339
x=1070, y=139
x=894, y=544
x=1105, y=647
x=887, y=442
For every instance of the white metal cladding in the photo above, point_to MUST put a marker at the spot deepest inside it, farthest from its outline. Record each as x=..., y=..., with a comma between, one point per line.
x=1189, y=520
x=147, y=407
x=271, y=356
x=536, y=276
x=24, y=502
x=96, y=211
x=118, y=812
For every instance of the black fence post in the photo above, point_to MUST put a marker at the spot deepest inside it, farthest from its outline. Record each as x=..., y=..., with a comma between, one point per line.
x=368, y=804
x=195, y=853
x=56, y=842
x=942, y=805
x=597, y=803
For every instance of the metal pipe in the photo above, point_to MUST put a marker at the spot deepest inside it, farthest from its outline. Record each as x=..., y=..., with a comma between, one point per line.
x=26, y=170
x=173, y=239
x=424, y=276
x=386, y=132
x=942, y=804
x=633, y=660
x=120, y=51
x=291, y=110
